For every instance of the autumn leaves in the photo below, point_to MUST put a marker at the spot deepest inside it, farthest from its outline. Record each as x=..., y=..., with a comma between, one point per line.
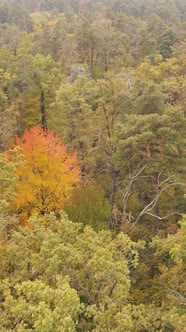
x=47, y=176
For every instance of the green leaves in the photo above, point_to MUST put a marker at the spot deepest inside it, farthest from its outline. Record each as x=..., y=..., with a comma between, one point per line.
x=35, y=306
x=171, y=253
x=48, y=271
x=8, y=177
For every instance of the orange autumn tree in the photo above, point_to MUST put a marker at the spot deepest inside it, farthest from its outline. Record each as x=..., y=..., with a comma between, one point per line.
x=48, y=176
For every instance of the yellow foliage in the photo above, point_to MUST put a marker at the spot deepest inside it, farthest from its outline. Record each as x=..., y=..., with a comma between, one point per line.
x=48, y=177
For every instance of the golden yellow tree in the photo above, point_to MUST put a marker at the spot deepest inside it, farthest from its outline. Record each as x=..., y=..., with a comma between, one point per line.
x=48, y=176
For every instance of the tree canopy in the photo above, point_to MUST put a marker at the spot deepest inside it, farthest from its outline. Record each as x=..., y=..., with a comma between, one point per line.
x=92, y=156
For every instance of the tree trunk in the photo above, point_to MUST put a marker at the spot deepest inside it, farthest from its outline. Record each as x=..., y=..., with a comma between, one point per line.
x=43, y=111
x=155, y=228
x=91, y=61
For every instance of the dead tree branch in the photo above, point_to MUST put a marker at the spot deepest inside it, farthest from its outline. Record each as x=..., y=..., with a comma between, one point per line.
x=161, y=187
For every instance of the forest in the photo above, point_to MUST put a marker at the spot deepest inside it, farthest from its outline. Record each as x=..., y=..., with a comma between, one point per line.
x=93, y=160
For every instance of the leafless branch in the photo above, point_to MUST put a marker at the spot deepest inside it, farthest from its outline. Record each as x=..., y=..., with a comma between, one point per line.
x=81, y=287
x=176, y=294
x=164, y=217
x=161, y=187
x=126, y=193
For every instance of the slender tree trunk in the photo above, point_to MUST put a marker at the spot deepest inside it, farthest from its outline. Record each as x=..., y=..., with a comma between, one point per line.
x=20, y=123
x=114, y=176
x=91, y=61
x=105, y=63
x=24, y=19
x=43, y=111
x=106, y=66
x=155, y=225
x=155, y=228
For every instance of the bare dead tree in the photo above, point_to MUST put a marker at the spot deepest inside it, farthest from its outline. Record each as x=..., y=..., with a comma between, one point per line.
x=123, y=217
x=161, y=186
x=128, y=190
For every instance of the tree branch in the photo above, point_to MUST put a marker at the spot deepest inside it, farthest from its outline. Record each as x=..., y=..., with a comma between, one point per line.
x=161, y=187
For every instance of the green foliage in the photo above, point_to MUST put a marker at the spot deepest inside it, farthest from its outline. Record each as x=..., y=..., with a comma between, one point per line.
x=89, y=205
x=43, y=266
x=165, y=41
x=56, y=275
x=36, y=306
x=109, y=78
x=171, y=258
x=8, y=177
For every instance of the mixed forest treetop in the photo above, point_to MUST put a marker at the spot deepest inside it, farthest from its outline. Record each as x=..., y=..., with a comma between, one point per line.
x=155, y=24
x=93, y=127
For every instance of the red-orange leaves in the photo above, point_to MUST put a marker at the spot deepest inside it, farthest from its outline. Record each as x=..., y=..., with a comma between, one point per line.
x=48, y=176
